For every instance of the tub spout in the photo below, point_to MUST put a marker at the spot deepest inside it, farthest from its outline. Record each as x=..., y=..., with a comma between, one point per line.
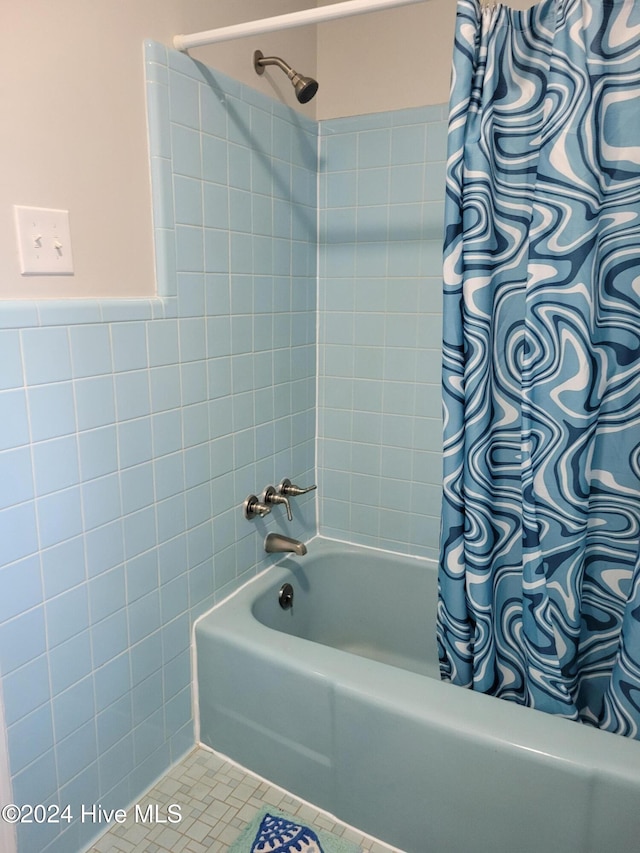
x=276, y=543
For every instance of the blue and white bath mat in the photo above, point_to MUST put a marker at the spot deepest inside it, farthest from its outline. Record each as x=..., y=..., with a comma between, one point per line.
x=272, y=831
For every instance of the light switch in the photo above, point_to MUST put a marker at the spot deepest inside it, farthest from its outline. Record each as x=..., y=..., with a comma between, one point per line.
x=44, y=241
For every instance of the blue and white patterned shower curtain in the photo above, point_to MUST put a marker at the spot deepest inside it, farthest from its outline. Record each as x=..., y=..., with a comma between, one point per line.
x=540, y=570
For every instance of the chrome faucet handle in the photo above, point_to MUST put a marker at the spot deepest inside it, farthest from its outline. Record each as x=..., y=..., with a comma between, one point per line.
x=252, y=507
x=271, y=496
x=286, y=487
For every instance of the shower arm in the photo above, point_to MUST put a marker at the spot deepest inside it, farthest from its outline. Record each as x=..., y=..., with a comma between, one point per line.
x=274, y=60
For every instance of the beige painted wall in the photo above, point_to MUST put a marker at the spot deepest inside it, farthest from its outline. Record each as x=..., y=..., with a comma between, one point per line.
x=387, y=60
x=7, y=831
x=74, y=126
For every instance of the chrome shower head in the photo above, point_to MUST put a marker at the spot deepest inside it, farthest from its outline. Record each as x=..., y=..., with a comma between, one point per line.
x=305, y=87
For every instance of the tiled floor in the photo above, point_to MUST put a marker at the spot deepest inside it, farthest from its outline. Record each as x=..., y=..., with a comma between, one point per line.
x=217, y=800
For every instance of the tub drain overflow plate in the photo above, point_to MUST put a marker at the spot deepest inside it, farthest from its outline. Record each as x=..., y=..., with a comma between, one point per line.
x=285, y=596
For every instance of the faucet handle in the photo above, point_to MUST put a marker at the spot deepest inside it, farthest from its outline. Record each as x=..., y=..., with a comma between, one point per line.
x=286, y=487
x=271, y=496
x=252, y=507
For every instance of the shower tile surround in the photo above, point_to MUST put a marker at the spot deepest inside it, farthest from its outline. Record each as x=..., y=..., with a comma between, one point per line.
x=381, y=205
x=131, y=430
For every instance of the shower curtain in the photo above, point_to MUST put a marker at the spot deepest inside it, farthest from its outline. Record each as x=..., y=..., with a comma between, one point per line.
x=539, y=582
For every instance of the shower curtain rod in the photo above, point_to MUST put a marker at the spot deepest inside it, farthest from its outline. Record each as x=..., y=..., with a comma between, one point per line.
x=286, y=22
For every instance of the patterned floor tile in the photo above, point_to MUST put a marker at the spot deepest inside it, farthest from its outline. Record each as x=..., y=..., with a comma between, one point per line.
x=217, y=800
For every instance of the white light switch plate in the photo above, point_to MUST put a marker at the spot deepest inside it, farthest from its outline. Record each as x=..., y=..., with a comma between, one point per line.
x=44, y=241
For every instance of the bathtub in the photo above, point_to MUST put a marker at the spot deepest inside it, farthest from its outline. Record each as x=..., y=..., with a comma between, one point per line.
x=338, y=700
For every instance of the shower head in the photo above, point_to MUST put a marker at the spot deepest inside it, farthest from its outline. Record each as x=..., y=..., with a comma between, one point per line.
x=305, y=87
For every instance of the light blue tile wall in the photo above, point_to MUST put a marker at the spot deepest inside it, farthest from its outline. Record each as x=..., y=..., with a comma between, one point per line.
x=379, y=420
x=130, y=434
x=131, y=430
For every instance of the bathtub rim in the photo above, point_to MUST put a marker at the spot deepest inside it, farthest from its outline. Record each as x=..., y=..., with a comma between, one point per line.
x=493, y=722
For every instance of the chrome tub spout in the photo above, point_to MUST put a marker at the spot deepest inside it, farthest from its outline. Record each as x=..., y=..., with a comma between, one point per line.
x=277, y=543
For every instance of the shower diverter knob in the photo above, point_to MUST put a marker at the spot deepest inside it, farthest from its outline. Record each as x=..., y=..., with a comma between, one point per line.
x=271, y=496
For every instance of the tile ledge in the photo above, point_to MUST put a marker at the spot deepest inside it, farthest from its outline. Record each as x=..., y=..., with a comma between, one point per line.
x=18, y=313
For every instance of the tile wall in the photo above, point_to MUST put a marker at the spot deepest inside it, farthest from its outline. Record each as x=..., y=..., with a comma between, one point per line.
x=131, y=432
x=382, y=180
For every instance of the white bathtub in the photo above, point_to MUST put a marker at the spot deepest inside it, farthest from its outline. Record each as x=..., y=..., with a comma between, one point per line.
x=338, y=700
